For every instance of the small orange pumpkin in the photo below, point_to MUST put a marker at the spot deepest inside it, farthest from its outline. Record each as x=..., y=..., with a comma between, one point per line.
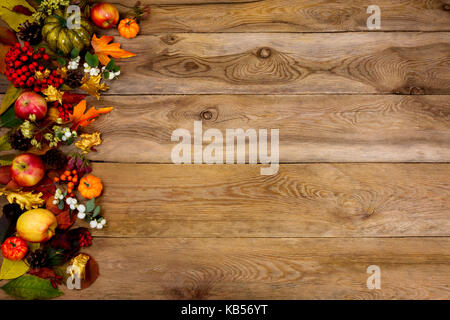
x=128, y=28
x=90, y=187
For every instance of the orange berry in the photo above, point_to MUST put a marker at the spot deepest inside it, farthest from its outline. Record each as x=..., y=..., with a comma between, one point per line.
x=74, y=171
x=56, y=179
x=63, y=177
x=69, y=178
x=75, y=179
x=70, y=185
x=67, y=173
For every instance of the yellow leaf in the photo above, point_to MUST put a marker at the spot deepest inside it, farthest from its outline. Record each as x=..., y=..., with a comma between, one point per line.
x=92, y=85
x=26, y=200
x=104, y=49
x=38, y=75
x=13, y=269
x=53, y=94
x=88, y=141
x=10, y=97
x=14, y=19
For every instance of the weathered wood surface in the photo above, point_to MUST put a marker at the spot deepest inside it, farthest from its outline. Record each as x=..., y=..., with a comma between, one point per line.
x=302, y=200
x=290, y=15
x=312, y=128
x=288, y=63
x=233, y=63
x=267, y=269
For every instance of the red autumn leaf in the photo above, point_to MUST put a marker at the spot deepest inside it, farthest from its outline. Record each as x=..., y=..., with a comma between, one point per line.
x=45, y=186
x=73, y=98
x=5, y=175
x=3, y=51
x=22, y=10
x=44, y=273
x=80, y=118
x=7, y=37
x=91, y=273
x=65, y=219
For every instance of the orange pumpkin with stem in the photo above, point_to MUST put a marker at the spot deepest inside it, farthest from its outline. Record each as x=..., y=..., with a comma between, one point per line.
x=128, y=28
x=90, y=187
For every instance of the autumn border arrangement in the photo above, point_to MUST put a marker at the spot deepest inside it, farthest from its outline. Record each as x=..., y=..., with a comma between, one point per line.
x=56, y=65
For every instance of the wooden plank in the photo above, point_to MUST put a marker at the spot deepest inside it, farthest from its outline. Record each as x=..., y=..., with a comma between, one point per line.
x=301, y=200
x=312, y=128
x=233, y=63
x=290, y=15
x=267, y=269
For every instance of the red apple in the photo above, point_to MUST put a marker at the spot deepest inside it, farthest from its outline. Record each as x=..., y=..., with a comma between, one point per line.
x=30, y=103
x=104, y=15
x=27, y=170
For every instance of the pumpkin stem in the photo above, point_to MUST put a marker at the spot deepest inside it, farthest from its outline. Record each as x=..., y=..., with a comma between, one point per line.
x=61, y=20
x=87, y=184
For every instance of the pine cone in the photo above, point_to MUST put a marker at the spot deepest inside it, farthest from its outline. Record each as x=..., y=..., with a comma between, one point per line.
x=74, y=78
x=38, y=259
x=30, y=32
x=19, y=142
x=55, y=159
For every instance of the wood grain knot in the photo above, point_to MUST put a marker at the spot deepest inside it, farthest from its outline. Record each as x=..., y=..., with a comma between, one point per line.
x=416, y=91
x=190, y=65
x=446, y=7
x=264, y=53
x=170, y=39
x=209, y=114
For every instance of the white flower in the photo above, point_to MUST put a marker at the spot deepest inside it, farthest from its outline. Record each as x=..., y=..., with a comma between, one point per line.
x=86, y=65
x=93, y=224
x=99, y=226
x=64, y=138
x=61, y=197
x=103, y=222
x=69, y=201
x=117, y=73
x=81, y=208
x=81, y=215
x=68, y=134
x=72, y=207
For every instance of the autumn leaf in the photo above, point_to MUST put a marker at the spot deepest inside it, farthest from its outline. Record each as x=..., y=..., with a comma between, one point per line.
x=13, y=269
x=26, y=200
x=92, y=85
x=3, y=51
x=104, y=49
x=7, y=37
x=88, y=141
x=53, y=94
x=12, y=18
x=80, y=118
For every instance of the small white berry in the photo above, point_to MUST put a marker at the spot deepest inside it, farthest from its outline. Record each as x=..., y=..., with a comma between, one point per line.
x=81, y=208
x=64, y=138
x=93, y=224
x=55, y=201
x=86, y=65
x=81, y=215
x=99, y=226
x=69, y=200
x=61, y=197
x=68, y=134
x=72, y=207
x=103, y=222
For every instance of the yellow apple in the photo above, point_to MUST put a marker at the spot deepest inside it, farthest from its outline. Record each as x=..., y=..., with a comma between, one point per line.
x=37, y=225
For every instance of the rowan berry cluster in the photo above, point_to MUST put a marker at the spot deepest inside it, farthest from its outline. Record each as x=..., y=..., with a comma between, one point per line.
x=22, y=63
x=65, y=110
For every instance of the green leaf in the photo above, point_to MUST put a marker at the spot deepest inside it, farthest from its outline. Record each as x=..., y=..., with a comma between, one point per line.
x=61, y=205
x=90, y=205
x=4, y=142
x=13, y=269
x=92, y=60
x=96, y=211
x=31, y=287
x=74, y=53
x=61, y=61
x=56, y=257
x=9, y=119
x=6, y=160
x=10, y=97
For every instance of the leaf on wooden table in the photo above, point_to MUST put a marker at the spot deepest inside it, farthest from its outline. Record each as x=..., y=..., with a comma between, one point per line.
x=5, y=174
x=13, y=269
x=30, y=287
x=80, y=118
x=73, y=98
x=10, y=97
x=92, y=85
x=24, y=199
x=104, y=49
x=11, y=17
x=53, y=94
x=7, y=37
x=9, y=119
x=65, y=219
x=4, y=142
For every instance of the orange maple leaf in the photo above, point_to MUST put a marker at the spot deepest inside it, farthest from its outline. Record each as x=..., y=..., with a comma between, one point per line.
x=103, y=49
x=80, y=118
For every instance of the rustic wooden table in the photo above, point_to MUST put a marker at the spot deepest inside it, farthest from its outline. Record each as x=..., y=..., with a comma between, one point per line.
x=364, y=120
